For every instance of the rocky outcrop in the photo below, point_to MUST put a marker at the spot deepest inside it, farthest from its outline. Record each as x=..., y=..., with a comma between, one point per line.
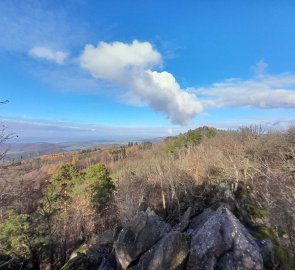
x=267, y=252
x=169, y=253
x=100, y=258
x=95, y=255
x=214, y=239
x=184, y=222
x=222, y=242
x=138, y=236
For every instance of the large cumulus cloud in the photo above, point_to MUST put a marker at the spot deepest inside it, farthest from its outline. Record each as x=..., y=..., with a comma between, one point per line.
x=133, y=66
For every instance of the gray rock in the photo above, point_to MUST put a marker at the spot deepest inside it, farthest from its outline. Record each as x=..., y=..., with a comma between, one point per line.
x=169, y=253
x=138, y=236
x=267, y=252
x=107, y=237
x=222, y=242
x=107, y=265
x=198, y=221
x=95, y=258
x=184, y=222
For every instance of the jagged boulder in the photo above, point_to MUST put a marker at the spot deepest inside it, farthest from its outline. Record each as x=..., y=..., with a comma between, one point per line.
x=215, y=239
x=96, y=254
x=184, y=221
x=267, y=252
x=200, y=219
x=222, y=242
x=138, y=236
x=100, y=258
x=169, y=253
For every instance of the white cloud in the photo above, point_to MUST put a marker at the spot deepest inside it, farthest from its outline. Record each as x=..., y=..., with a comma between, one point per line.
x=112, y=60
x=48, y=54
x=262, y=91
x=161, y=91
x=130, y=65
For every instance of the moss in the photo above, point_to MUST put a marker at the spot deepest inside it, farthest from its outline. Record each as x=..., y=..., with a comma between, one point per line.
x=265, y=233
x=281, y=231
x=76, y=262
x=245, y=194
x=255, y=212
x=285, y=257
x=262, y=234
x=81, y=249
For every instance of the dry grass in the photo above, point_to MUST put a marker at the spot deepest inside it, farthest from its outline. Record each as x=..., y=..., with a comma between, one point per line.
x=168, y=183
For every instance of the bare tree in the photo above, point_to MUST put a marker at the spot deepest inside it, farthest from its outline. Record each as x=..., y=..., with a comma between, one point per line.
x=4, y=136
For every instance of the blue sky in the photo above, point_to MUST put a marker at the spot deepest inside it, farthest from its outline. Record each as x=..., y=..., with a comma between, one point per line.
x=88, y=69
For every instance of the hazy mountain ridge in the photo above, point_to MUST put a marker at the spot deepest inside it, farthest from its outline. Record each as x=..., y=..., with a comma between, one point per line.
x=18, y=151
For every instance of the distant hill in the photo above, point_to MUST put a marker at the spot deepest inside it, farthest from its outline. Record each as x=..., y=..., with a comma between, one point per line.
x=17, y=151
